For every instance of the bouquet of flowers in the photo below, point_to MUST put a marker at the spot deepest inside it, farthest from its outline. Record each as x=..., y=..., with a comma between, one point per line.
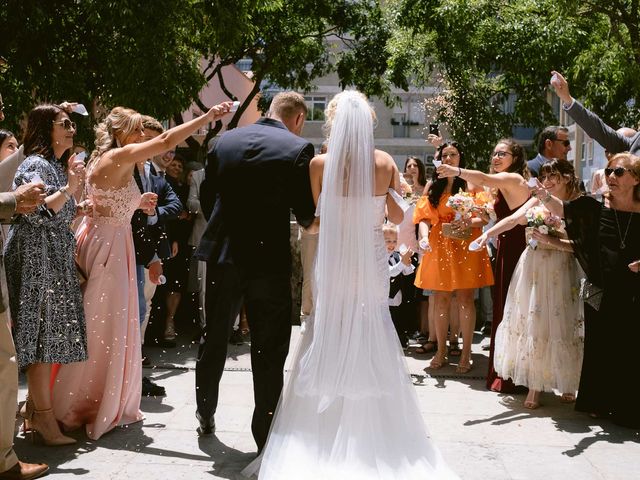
x=463, y=204
x=540, y=219
x=484, y=202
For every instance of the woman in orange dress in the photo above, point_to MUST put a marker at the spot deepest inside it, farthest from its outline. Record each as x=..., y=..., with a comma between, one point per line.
x=447, y=265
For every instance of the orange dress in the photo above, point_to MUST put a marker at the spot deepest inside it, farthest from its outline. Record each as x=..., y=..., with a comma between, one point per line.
x=449, y=265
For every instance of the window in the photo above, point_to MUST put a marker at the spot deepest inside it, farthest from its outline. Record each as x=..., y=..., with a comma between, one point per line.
x=400, y=127
x=315, y=106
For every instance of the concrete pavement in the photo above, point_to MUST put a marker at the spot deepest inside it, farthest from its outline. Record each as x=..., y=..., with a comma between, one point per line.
x=482, y=435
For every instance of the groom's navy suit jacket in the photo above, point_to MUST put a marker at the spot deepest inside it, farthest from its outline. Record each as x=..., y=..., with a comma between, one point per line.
x=255, y=176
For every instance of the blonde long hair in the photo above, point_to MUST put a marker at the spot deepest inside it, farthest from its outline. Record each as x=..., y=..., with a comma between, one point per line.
x=121, y=120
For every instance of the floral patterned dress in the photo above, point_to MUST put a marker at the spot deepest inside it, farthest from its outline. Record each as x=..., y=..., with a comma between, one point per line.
x=539, y=342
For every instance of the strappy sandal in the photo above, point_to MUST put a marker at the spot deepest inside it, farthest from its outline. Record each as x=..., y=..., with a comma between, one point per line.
x=427, y=347
x=464, y=367
x=567, y=398
x=437, y=363
x=454, y=348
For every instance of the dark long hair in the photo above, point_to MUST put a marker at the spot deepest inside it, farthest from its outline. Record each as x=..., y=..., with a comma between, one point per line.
x=519, y=154
x=566, y=170
x=439, y=184
x=422, y=173
x=37, y=137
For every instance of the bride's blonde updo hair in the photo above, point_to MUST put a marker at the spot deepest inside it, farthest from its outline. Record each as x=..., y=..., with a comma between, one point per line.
x=332, y=106
x=120, y=121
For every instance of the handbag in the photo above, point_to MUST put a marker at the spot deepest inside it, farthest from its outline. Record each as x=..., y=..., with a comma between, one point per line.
x=591, y=294
x=448, y=231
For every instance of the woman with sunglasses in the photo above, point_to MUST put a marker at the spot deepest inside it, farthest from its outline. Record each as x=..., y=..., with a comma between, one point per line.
x=606, y=242
x=539, y=342
x=45, y=297
x=447, y=265
x=509, y=179
x=105, y=391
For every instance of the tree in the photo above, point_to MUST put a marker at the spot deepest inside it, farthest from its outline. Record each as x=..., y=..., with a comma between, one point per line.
x=485, y=53
x=101, y=52
x=147, y=55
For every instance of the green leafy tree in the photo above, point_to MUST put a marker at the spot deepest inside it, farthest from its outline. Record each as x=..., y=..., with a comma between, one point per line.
x=485, y=54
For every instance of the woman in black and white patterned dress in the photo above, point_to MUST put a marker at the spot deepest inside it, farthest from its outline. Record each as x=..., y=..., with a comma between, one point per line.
x=44, y=292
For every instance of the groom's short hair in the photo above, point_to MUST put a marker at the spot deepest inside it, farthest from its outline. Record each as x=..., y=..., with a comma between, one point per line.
x=286, y=105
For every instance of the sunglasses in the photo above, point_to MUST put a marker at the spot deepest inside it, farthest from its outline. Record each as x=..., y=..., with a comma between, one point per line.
x=500, y=154
x=566, y=143
x=618, y=171
x=66, y=124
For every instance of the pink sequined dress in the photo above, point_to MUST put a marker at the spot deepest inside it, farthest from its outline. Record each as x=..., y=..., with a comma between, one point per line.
x=105, y=391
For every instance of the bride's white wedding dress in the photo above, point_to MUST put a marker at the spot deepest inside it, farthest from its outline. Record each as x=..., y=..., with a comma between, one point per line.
x=349, y=409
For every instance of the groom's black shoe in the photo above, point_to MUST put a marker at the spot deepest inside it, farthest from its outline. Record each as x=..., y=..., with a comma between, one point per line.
x=207, y=426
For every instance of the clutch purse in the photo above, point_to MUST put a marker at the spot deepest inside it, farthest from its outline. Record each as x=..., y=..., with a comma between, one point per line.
x=591, y=294
x=448, y=231
x=528, y=232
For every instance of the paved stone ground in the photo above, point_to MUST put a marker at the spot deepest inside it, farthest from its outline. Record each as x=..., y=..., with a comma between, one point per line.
x=483, y=435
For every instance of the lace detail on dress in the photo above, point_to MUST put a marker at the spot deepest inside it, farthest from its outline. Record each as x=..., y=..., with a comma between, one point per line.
x=114, y=206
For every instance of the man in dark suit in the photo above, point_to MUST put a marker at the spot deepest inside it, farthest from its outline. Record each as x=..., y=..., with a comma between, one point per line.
x=610, y=139
x=255, y=175
x=150, y=238
x=553, y=142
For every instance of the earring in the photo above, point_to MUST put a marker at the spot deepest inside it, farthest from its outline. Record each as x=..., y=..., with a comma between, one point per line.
x=57, y=143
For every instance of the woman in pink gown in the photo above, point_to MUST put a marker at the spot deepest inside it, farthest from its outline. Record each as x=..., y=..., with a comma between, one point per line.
x=105, y=391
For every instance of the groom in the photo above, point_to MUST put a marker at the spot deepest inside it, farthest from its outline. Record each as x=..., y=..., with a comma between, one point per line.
x=254, y=176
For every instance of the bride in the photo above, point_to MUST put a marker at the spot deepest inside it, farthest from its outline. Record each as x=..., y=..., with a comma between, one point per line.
x=349, y=409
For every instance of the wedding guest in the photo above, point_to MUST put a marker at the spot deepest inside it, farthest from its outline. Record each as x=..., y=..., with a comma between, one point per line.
x=8, y=144
x=44, y=292
x=149, y=240
x=104, y=392
x=177, y=267
x=598, y=183
x=539, y=343
x=606, y=242
x=509, y=163
x=413, y=182
x=553, y=142
x=199, y=225
x=614, y=142
x=399, y=263
x=23, y=200
x=447, y=265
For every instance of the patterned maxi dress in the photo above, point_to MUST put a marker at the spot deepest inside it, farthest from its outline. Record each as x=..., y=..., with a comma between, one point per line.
x=105, y=391
x=44, y=293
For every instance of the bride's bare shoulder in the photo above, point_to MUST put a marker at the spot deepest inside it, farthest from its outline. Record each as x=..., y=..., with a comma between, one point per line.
x=384, y=161
x=317, y=163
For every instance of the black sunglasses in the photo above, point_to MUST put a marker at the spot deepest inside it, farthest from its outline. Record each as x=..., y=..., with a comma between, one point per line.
x=566, y=143
x=618, y=171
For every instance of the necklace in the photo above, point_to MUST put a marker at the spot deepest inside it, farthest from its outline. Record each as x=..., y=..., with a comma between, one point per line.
x=622, y=239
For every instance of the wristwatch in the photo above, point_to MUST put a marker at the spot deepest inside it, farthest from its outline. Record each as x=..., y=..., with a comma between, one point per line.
x=66, y=194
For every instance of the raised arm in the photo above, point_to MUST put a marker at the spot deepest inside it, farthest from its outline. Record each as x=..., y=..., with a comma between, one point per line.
x=136, y=152
x=587, y=120
x=501, y=180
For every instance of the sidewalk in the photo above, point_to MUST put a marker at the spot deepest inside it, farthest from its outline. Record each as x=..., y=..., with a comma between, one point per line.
x=482, y=435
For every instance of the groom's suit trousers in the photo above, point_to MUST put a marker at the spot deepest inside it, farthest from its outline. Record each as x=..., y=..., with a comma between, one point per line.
x=267, y=299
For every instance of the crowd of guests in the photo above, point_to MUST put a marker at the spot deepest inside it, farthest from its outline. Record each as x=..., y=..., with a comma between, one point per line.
x=93, y=239
x=87, y=238
x=562, y=261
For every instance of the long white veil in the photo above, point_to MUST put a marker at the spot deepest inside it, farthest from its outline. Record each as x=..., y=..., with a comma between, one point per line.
x=349, y=290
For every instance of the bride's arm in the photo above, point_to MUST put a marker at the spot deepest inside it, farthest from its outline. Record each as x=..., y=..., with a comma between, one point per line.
x=316, y=169
x=394, y=212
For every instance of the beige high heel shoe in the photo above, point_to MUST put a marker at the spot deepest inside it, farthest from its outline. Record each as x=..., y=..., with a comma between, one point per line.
x=42, y=425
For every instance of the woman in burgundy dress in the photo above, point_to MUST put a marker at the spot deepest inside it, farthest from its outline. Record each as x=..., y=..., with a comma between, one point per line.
x=509, y=177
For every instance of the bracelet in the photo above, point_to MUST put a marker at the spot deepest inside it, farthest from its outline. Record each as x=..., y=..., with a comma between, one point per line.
x=459, y=171
x=63, y=191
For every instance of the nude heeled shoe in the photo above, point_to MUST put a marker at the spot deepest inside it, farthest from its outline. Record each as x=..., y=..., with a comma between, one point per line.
x=43, y=425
